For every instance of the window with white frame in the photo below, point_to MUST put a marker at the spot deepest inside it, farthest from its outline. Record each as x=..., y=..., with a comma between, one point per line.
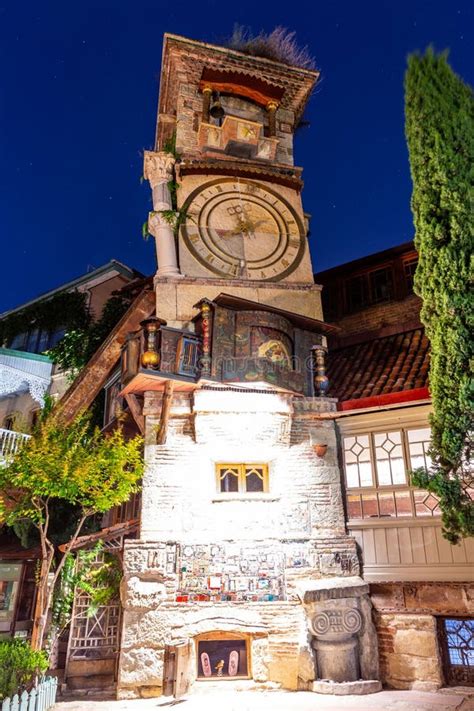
x=377, y=466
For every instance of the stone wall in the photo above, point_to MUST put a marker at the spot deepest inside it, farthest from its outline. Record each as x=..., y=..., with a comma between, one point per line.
x=279, y=642
x=406, y=621
x=175, y=300
x=409, y=657
x=180, y=497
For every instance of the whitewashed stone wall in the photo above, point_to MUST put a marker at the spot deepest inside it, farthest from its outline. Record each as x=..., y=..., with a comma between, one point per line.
x=298, y=527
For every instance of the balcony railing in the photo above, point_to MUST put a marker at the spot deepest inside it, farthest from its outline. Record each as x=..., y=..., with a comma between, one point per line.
x=10, y=443
x=160, y=353
x=157, y=353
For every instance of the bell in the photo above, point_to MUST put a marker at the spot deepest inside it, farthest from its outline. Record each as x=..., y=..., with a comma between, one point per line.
x=217, y=110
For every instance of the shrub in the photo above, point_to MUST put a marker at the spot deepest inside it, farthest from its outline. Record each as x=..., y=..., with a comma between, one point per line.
x=19, y=665
x=279, y=45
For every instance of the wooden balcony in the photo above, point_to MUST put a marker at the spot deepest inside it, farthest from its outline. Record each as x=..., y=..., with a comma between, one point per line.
x=157, y=354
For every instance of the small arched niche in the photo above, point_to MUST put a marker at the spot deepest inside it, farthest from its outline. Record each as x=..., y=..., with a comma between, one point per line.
x=223, y=656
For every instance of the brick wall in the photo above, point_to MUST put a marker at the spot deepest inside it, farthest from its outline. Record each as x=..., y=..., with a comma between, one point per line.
x=392, y=313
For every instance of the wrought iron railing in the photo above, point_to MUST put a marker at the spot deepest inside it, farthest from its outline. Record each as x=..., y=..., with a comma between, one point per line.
x=10, y=443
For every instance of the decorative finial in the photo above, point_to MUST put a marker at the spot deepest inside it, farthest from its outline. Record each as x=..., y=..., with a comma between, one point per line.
x=321, y=382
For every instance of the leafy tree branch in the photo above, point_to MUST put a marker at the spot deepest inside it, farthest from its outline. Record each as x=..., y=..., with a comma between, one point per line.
x=71, y=463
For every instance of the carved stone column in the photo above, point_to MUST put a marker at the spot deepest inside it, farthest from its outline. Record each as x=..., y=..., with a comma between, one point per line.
x=339, y=613
x=336, y=643
x=206, y=103
x=206, y=338
x=272, y=109
x=158, y=170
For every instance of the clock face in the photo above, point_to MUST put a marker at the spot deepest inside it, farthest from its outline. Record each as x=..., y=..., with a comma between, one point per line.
x=243, y=230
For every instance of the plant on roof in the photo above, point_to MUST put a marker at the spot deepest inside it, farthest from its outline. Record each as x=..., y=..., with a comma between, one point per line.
x=280, y=45
x=439, y=110
x=71, y=463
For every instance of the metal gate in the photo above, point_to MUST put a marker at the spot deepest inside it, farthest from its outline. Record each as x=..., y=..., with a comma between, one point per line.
x=457, y=644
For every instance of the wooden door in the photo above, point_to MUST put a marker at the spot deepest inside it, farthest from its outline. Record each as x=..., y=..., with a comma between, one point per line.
x=177, y=669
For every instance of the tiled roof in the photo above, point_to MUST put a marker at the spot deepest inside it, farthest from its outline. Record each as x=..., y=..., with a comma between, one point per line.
x=380, y=366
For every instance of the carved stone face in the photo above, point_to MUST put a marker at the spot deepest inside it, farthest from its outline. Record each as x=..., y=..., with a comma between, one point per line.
x=240, y=229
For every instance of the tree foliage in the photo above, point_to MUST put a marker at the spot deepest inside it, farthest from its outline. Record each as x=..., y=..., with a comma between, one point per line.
x=69, y=463
x=439, y=109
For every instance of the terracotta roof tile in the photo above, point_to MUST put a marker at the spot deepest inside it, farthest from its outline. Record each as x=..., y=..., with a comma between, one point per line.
x=379, y=366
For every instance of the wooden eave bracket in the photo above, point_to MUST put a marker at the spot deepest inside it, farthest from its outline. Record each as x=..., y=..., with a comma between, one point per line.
x=165, y=412
x=136, y=411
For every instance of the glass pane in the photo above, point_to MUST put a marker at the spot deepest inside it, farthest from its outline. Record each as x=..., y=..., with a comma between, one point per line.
x=460, y=639
x=357, y=460
x=352, y=475
x=43, y=341
x=386, y=504
x=32, y=341
x=418, y=445
x=421, y=435
x=56, y=336
x=365, y=473
x=354, y=507
x=369, y=505
x=383, y=471
x=389, y=458
x=253, y=482
x=18, y=342
x=381, y=284
x=350, y=457
x=229, y=480
x=425, y=504
x=403, y=503
x=398, y=471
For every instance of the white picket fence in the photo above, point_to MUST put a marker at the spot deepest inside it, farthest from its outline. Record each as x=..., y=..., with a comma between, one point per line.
x=41, y=698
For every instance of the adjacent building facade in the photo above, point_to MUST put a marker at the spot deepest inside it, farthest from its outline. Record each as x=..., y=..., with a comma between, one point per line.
x=421, y=586
x=26, y=376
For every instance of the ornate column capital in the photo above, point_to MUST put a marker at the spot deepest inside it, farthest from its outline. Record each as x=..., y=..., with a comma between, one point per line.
x=158, y=167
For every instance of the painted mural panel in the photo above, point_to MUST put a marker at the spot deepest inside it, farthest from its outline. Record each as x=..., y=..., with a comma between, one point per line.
x=231, y=572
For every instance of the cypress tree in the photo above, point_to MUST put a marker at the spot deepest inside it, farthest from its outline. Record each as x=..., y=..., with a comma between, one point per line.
x=439, y=125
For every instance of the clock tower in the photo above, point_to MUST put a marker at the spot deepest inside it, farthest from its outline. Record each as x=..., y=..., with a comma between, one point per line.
x=227, y=207
x=243, y=568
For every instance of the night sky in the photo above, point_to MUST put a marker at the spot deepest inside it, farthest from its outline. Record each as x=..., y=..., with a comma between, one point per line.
x=78, y=94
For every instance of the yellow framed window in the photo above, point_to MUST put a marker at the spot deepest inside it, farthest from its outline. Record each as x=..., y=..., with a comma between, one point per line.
x=242, y=478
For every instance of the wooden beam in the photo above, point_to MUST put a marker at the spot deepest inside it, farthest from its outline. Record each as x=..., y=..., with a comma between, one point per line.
x=165, y=412
x=94, y=375
x=136, y=410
